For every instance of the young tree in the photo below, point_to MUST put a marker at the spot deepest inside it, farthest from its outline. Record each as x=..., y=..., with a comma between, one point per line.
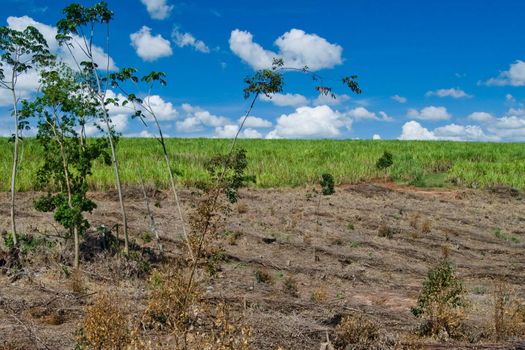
x=68, y=160
x=77, y=30
x=145, y=111
x=20, y=52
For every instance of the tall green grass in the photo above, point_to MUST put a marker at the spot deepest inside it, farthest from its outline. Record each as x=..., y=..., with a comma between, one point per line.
x=290, y=163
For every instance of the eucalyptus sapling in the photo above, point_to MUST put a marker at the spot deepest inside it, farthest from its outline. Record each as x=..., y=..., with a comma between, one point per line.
x=20, y=52
x=77, y=29
x=67, y=160
x=144, y=110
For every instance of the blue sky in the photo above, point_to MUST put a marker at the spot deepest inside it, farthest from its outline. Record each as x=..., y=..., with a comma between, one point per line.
x=428, y=69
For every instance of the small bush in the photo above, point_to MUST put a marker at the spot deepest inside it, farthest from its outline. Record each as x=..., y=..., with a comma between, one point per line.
x=357, y=331
x=441, y=301
x=168, y=305
x=385, y=161
x=319, y=296
x=509, y=313
x=290, y=286
x=105, y=325
x=426, y=227
x=262, y=276
x=386, y=231
x=327, y=184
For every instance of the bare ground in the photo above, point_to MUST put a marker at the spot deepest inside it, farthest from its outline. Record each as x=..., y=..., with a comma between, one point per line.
x=331, y=246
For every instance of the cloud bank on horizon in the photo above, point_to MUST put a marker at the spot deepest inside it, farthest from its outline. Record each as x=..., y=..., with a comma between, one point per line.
x=207, y=51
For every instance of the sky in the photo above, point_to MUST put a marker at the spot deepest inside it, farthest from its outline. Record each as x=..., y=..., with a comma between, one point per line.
x=429, y=70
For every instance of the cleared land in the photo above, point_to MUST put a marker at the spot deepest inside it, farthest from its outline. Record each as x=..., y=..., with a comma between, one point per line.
x=292, y=163
x=333, y=250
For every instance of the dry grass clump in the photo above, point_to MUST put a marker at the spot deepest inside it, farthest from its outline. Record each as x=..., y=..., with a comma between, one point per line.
x=105, y=325
x=290, y=286
x=169, y=303
x=426, y=226
x=263, y=276
x=224, y=333
x=358, y=332
x=319, y=296
x=509, y=313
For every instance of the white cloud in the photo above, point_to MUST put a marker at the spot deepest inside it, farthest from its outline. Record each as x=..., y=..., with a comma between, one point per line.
x=481, y=117
x=230, y=130
x=158, y=9
x=49, y=32
x=311, y=122
x=510, y=98
x=515, y=76
x=196, y=119
x=376, y=137
x=412, y=130
x=163, y=110
x=361, y=113
x=454, y=132
x=286, y=100
x=150, y=47
x=430, y=113
x=399, y=99
x=186, y=39
x=454, y=93
x=255, y=122
x=323, y=99
x=297, y=48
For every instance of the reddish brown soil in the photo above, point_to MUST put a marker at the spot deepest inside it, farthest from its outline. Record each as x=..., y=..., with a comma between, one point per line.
x=353, y=269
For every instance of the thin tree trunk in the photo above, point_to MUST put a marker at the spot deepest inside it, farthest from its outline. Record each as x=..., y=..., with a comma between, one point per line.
x=153, y=226
x=173, y=187
x=76, y=262
x=15, y=166
x=117, y=178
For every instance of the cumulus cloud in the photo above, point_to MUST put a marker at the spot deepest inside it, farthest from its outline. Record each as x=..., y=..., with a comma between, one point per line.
x=230, y=130
x=412, y=130
x=163, y=110
x=399, y=99
x=361, y=113
x=255, y=122
x=482, y=117
x=323, y=99
x=150, y=47
x=430, y=113
x=187, y=39
x=297, y=48
x=310, y=122
x=197, y=119
x=453, y=92
x=286, y=100
x=158, y=9
x=376, y=137
x=515, y=76
x=49, y=32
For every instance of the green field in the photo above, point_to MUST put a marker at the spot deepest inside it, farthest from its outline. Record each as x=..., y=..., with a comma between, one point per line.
x=278, y=163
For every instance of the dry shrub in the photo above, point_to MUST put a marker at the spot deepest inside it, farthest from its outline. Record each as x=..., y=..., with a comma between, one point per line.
x=386, y=231
x=426, y=227
x=319, y=296
x=263, y=276
x=441, y=302
x=170, y=302
x=105, y=325
x=225, y=333
x=290, y=286
x=414, y=220
x=242, y=208
x=357, y=332
x=509, y=312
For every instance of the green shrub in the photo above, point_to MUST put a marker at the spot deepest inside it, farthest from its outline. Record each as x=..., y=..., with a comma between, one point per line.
x=385, y=161
x=327, y=184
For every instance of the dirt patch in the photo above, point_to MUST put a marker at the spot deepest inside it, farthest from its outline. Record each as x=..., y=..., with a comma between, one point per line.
x=330, y=246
